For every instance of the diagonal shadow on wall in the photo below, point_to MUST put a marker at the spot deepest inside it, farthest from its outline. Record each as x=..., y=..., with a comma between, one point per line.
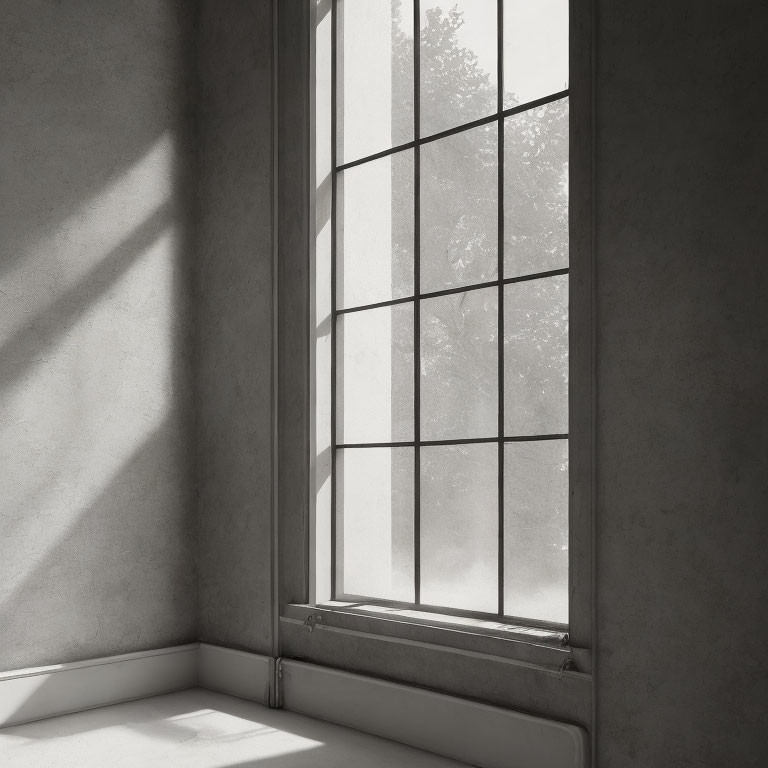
x=86, y=88
x=120, y=571
x=26, y=346
x=97, y=548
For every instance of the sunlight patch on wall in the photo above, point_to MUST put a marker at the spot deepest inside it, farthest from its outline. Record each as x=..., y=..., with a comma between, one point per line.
x=86, y=406
x=63, y=257
x=86, y=358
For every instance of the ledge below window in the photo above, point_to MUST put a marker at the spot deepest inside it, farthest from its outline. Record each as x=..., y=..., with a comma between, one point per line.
x=527, y=645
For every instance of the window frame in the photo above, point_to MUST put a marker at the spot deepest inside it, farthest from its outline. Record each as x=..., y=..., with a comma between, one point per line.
x=498, y=117
x=301, y=203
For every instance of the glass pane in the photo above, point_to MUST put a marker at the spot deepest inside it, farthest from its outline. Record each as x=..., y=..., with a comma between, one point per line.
x=375, y=231
x=535, y=49
x=374, y=374
x=459, y=526
x=459, y=209
x=374, y=76
x=536, y=357
x=458, y=62
x=374, y=502
x=536, y=190
x=459, y=365
x=536, y=530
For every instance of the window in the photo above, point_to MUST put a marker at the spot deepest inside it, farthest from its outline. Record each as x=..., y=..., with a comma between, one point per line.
x=446, y=376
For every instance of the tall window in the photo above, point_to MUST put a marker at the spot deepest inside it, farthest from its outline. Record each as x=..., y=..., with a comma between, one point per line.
x=449, y=306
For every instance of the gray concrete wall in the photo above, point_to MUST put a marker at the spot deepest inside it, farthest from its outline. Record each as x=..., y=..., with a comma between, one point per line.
x=97, y=543
x=234, y=320
x=682, y=276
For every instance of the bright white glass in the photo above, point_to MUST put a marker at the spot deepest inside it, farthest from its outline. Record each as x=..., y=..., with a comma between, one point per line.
x=374, y=368
x=536, y=357
x=459, y=341
x=536, y=190
x=374, y=76
x=535, y=49
x=459, y=365
x=374, y=502
x=374, y=253
x=459, y=209
x=458, y=44
x=536, y=530
x=459, y=526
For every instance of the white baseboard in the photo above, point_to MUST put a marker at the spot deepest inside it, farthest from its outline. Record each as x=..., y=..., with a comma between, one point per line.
x=478, y=734
x=238, y=673
x=60, y=689
x=484, y=736
x=36, y=693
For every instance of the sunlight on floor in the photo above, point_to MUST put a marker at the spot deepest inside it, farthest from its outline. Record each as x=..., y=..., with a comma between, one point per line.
x=200, y=729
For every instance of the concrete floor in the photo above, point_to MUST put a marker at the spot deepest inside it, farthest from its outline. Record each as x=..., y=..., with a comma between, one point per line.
x=200, y=729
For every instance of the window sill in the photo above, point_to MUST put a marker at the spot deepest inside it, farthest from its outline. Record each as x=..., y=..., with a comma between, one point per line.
x=527, y=645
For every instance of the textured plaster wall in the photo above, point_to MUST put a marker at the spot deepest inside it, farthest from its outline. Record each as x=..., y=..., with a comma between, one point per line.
x=682, y=526
x=97, y=540
x=234, y=318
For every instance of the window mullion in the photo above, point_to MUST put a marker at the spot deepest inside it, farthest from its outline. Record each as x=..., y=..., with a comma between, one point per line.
x=334, y=318
x=500, y=223
x=417, y=303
